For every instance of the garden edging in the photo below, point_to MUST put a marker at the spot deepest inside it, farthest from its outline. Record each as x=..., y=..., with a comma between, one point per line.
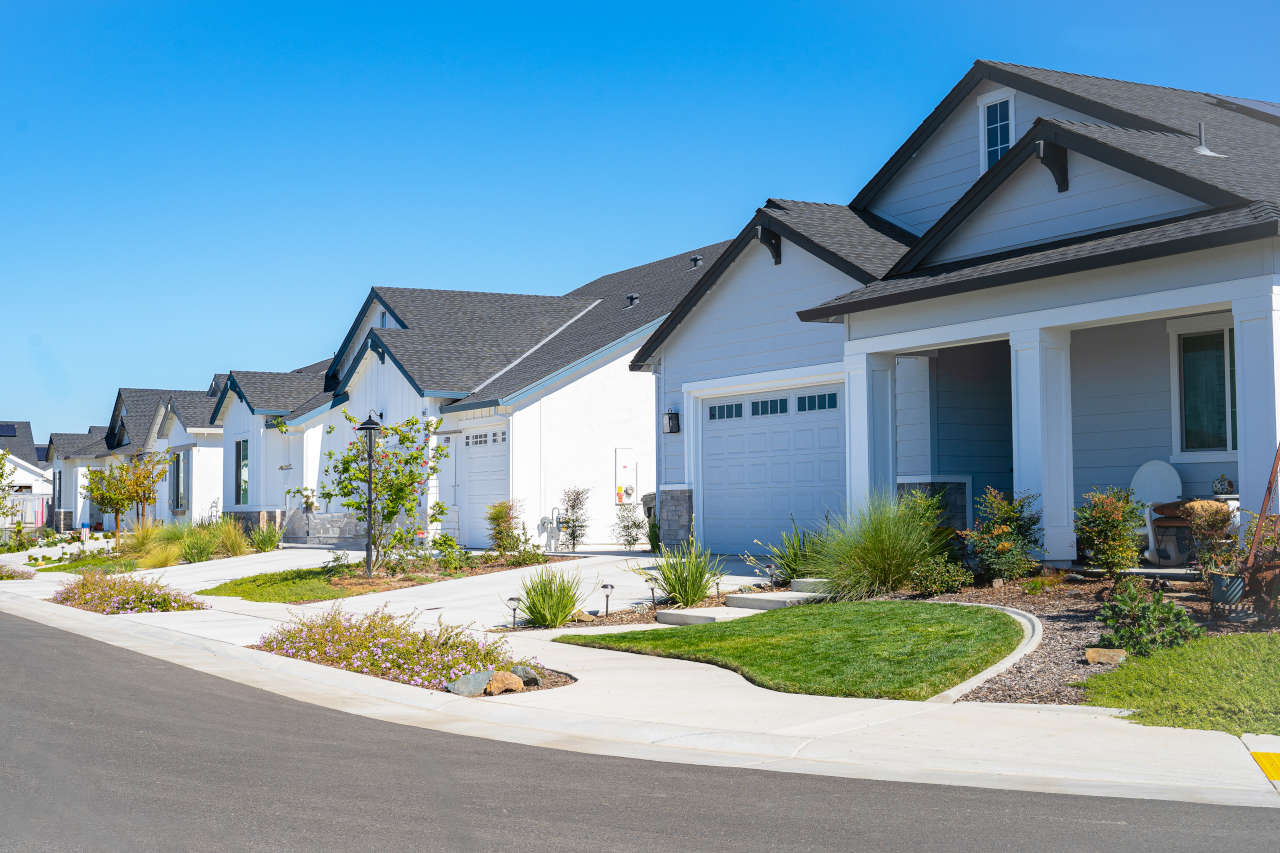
x=1032, y=634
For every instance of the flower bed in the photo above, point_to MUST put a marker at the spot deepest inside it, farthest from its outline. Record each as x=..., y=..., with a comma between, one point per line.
x=389, y=646
x=13, y=573
x=112, y=594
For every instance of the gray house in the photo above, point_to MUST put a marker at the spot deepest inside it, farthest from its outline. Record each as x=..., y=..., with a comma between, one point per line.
x=1057, y=282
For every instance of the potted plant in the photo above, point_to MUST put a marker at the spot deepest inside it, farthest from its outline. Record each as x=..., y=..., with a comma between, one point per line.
x=1217, y=549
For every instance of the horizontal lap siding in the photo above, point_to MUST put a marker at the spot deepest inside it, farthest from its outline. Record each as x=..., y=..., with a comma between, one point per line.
x=973, y=420
x=1121, y=399
x=947, y=165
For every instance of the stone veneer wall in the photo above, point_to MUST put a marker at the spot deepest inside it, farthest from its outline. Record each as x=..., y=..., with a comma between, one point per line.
x=675, y=515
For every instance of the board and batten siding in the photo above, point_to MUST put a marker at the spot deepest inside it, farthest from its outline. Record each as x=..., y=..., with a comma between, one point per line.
x=1027, y=208
x=948, y=164
x=1121, y=399
x=747, y=324
x=370, y=319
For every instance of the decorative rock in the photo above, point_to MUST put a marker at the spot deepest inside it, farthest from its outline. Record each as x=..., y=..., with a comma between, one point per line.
x=470, y=685
x=1095, y=655
x=501, y=682
x=583, y=616
x=997, y=583
x=529, y=676
x=1075, y=577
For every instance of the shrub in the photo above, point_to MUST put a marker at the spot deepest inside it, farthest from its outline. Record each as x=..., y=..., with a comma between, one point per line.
x=629, y=526
x=142, y=538
x=161, y=554
x=1004, y=540
x=199, y=544
x=1035, y=586
x=123, y=594
x=449, y=556
x=791, y=558
x=265, y=538
x=503, y=537
x=1142, y=621
x=940, y=575
x=655, y=535
x=685, y=574
x=1211, y=530
x=173, y=533
x=526, y=553
x=229, y=538
x=1106, y=527
x=389, y=646
x=877, y=550
x=574, y=520
x=549, y=598
x=13, y=573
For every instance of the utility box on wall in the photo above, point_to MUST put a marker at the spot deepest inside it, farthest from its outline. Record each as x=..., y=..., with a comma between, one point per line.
x=626, y=486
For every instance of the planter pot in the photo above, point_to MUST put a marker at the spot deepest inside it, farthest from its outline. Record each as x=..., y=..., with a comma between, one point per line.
x=1226, y=589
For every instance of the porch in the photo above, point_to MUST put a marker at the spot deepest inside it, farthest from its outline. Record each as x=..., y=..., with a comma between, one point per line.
x=1062, y=409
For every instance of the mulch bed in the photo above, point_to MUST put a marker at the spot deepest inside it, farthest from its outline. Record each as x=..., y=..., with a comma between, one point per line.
x=643, y=614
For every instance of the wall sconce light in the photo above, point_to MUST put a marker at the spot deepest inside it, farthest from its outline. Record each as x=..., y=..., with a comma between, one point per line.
x=670, y=422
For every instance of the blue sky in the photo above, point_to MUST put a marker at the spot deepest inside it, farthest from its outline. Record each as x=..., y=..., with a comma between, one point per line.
x=197, y=187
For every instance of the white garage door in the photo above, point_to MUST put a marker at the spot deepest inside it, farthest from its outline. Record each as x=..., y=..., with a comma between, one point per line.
x=768, y=458
x=483, y=481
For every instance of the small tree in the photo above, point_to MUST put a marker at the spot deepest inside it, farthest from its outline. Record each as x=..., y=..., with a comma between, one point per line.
x=1107, y=526
x=503, y=536
x=404, y=461
x=109, y=490
x=574, y=520
x=629, y=526
x=8, y=509
x=142, y=475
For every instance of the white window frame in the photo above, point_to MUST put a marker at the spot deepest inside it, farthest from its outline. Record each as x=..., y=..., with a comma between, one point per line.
x=1002, y=94
x=1189, y=326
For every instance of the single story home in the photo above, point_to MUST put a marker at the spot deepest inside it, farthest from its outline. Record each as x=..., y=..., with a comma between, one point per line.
x=192, y=488
x=73, y=456
x=32, y=477
x=534, y=394
x=1055, y=280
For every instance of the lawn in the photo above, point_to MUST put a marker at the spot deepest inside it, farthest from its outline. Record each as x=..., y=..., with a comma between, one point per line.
x=1230, y=683
x=107, y=564
x=320, y=584
x=869, y=649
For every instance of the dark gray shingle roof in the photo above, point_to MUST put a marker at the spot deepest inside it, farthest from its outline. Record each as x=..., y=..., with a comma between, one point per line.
x=193, y=408
x=140, y=408
x=20, y=445
x=277, y=392
x=68, y=444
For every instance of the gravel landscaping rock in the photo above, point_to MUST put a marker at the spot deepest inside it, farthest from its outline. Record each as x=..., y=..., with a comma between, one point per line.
x=501, y=682
x=470, y=685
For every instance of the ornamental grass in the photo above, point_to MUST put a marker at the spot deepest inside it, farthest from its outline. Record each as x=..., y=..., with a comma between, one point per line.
x=113, y=594
x=389, y=646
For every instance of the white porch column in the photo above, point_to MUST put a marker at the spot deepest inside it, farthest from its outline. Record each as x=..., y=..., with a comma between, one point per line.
x=1257, y=329
x=1043, y=462
x=869, y=425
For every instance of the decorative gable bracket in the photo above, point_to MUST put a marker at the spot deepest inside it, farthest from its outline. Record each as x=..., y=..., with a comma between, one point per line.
x=772, y=241
x=1054, y=158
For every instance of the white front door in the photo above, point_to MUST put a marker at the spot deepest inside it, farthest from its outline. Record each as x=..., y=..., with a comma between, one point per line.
x=768, y=458
x=483, y=481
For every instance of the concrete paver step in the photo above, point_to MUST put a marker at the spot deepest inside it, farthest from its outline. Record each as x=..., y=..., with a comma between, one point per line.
x=808, y=585
x=703, y=615
x=771, y=600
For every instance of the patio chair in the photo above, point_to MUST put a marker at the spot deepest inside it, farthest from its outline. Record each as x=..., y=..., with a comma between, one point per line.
x=1157, y=482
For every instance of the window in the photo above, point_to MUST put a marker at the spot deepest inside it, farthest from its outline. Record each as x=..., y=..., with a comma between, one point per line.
x=241, y=493
x=724, y=411
x=382, y=320
x=479, y=439
x=177, y=486
x=769, y=407
x=815, y=402
x=1202, y=358
x=997, y=131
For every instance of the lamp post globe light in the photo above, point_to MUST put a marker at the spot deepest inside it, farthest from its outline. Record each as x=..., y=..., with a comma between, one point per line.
x=370, y=428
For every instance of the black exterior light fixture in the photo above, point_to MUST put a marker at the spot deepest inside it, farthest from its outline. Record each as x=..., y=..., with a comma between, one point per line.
x=514, y=603
x=670, y=422
x=370, y=428
x=653, y=591
x=607, y=588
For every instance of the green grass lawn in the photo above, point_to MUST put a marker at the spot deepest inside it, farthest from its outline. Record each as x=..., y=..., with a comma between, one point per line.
x=870, y=649
x=286, y=586
x=1229, y=683
x=104, y=563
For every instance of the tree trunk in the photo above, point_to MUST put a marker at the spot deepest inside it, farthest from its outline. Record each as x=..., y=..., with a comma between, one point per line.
x=117, y=532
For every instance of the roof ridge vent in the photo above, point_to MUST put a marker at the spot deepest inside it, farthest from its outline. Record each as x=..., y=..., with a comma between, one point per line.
x=695, y=261
x=1202, y=148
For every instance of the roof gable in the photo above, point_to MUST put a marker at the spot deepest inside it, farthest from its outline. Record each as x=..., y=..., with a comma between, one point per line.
x=15, y=437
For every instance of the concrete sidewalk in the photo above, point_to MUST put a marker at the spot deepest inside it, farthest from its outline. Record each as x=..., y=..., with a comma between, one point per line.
x=657, y=708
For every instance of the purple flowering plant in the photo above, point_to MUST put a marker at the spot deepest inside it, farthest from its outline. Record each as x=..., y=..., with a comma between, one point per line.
x=111, y=594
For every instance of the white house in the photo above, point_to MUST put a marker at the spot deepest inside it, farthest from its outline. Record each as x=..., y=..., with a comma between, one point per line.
x=1055, y=280
x=534, y=394
x=192, y=488
x=32, y=478
x=73, y=455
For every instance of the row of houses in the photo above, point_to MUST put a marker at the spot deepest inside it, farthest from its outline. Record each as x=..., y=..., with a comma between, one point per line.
x=1055, y=283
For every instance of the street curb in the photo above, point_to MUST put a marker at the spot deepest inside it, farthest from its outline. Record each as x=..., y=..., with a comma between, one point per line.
x=1032, y=634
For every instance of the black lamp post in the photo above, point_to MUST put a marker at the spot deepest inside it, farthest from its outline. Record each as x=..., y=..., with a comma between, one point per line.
x=370, y=428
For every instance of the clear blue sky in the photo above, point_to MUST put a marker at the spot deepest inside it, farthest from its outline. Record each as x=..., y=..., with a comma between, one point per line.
x=195, y=187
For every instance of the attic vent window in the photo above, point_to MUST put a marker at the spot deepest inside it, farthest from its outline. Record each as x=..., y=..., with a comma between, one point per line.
x=632, y=299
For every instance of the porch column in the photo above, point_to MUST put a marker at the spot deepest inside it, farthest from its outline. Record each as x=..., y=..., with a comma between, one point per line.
x=869, y=423
x=1257, y=330
x=1042, y=454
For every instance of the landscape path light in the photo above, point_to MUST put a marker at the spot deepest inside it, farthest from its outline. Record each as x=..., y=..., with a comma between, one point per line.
x=608, y=590
x=370, y=428
x=514, y=603
x=653, y=591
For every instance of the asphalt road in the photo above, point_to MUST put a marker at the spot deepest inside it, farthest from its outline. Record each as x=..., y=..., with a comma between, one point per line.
x=106, y=749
